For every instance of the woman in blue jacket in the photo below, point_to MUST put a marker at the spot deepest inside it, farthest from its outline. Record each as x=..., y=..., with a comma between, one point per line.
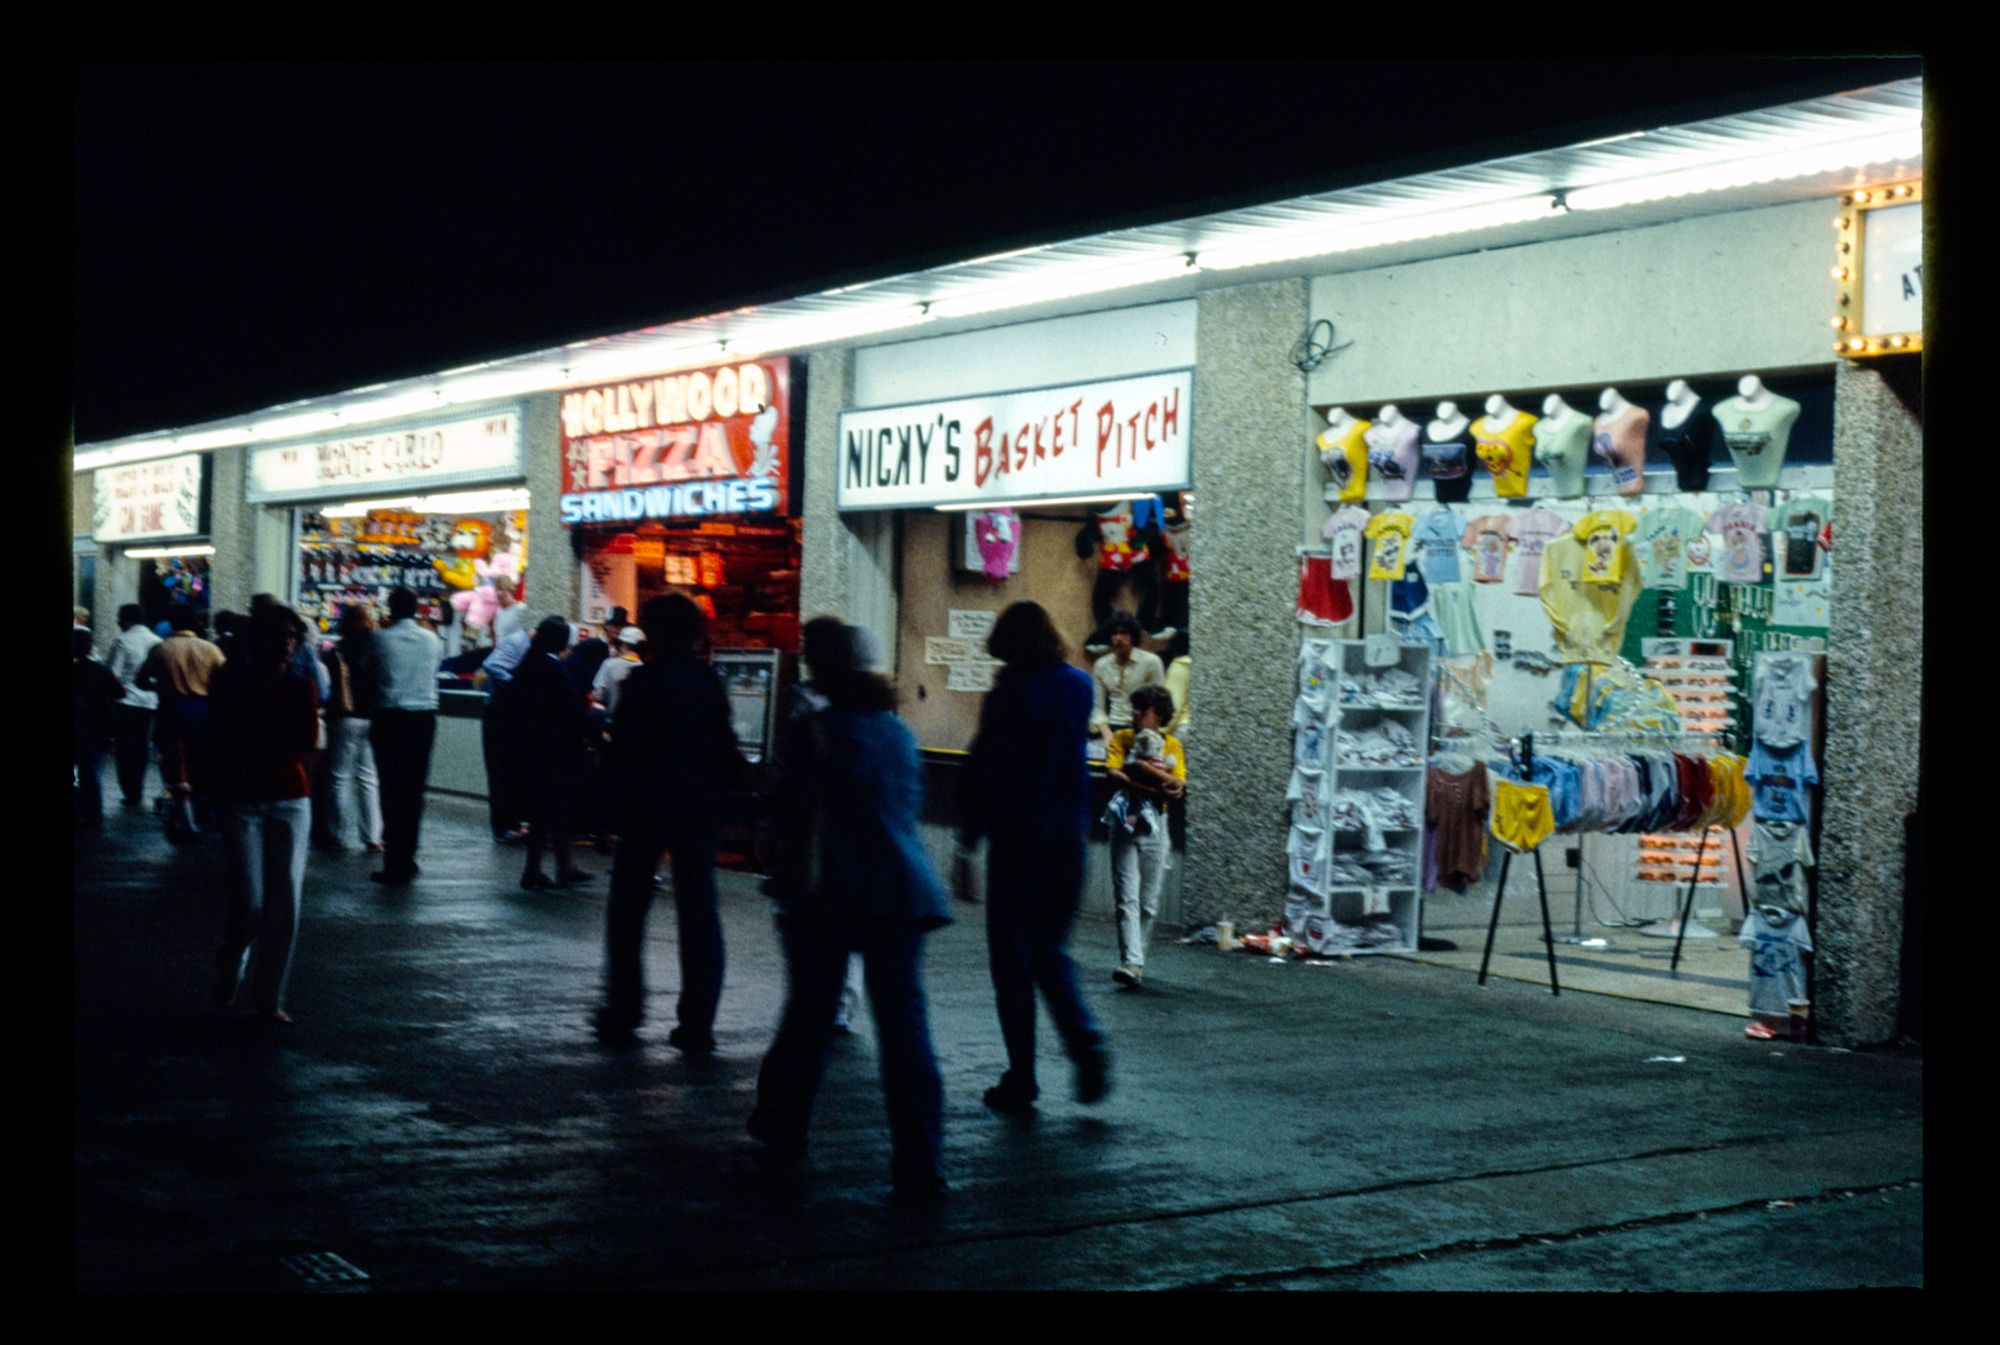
x=851, y=876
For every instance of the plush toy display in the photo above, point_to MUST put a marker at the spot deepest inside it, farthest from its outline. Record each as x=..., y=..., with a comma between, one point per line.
x=471, y=542
x=478, y=605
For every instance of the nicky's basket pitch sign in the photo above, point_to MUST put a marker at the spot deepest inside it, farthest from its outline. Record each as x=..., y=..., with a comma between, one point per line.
x=683, y=445
x=1127, y=434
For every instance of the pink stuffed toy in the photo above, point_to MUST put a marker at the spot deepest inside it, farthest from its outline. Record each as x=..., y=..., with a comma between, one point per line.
x=478, y=605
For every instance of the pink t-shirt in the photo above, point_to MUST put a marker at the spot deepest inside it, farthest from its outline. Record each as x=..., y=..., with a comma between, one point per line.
x=1532, y=531
x=1486, y=537
x=1741, y=526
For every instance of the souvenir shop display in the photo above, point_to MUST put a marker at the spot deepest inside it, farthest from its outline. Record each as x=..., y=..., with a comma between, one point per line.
x=1343, y=450
x=1562, y=446
x=447, y=561
x=1587, y=592
x=1506, y=439
x=1356, y=847
x=1782, y=772
x=1393, y=454
x=1756, y=427
x=1801, y=535
x=1121, y=537
x=1176, y=565
x=1687, y=435
x=992, y=544
x=1448, y=450
x=1620, y=441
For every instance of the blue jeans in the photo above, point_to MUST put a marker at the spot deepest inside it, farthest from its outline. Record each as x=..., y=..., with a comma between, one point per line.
x=267, y=860
x=789, y=1080
x=1032, y=895
x=700, y=926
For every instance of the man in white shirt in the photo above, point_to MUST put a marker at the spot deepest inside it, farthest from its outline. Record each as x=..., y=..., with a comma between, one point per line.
x=403, y=668
x=1120, y=673
x=512, y=618
x=604, y=689
x=135, y=713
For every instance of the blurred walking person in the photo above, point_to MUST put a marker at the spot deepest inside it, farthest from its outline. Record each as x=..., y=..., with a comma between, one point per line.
x=180, y=669
x=1027, y=791
x=93, y=690
x=852, y=879
x=353, y=788
x=266, y=717
x=502, y=805
x=543, y=721
x=672, y=754
x=135, y=712
x=402, y=665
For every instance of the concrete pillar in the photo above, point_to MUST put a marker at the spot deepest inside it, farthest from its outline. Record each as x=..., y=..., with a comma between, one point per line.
x=848, y=565
x=232, y=531
x=1874, y=686
x=553, y=587
x=1249, y=474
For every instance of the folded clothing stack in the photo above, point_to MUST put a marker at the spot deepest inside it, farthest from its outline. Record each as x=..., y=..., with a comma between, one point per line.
x=1393, y=688
x=1388, y=744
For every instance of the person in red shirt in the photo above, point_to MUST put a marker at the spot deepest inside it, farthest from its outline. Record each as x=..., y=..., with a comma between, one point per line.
x=265, y=716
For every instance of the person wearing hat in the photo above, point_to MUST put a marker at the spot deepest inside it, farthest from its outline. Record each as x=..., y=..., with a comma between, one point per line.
x=614, y=670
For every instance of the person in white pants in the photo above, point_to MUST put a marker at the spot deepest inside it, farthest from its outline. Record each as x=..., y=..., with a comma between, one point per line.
x=1140, y=847
x=352, y=783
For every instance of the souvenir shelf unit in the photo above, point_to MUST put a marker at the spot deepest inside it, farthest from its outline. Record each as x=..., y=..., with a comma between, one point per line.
x=1355, y=856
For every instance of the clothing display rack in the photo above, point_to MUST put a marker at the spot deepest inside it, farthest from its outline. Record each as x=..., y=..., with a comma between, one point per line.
x=1527, y=759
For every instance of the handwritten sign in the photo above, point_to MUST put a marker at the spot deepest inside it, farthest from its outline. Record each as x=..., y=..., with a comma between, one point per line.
x=975, y=626
x=160, y=498
x=971, y=676
x=939, y=650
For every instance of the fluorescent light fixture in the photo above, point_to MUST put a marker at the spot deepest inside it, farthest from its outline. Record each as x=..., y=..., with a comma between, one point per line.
x=1380, y=230
x=162, y=552
x=1752, y=169
x=389, y=408
x=611, y=365
x=204, y=440
x=471, y=386
x=792, y=333
x=1067, y=284
x=291, y=427
x=1051, y=499
x=496, y=500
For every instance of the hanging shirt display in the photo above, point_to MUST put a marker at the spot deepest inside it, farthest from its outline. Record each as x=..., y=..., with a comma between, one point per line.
x=1602, y=534
x=1393, y=458
x=1346, y=458
x=1531, y=532
x=1486, y=538
x=1779, y=783
x=1343, y=535
x=1757, y=437
x=1562, y=446
x=1620, y=440
x=1451, y=607
x=1798, y=527
x=1323, y=600
x=1437, y=537
x=1448, y=463
x=1689, y=446
x=1118, y=544
x=1522, y=815
x=1775, y=936
x=1391, y=535
x=1741, y=527
x=1780, y=855
x=1588, y=619
x=1783, y=707
x=1455, y=807
x=1179, y=539
x=1508, y=453
x=1664, y=535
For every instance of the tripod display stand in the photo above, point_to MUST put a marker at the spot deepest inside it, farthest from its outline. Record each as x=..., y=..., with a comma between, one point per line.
x=1541, y=889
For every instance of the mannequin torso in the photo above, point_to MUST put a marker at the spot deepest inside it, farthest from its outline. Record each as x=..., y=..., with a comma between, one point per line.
x=1562, y=445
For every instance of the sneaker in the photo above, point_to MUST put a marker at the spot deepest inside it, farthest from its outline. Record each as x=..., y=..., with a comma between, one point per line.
x=1128, y=975
x=1760, y=1032
x=1009, y=1101
x=690, y=1043
x=1093, y=1077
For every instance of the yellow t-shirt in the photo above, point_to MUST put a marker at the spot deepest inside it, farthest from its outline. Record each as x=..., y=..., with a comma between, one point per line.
x=1601, y=534
x=1346, y=459
x=1509, y=453
x=1121, y=743
x=1391, y=534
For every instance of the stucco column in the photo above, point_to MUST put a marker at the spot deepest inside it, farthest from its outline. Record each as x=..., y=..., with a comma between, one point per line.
x=1249, y=475
x=232, y=531
x=1874, y=685
x=552, y=567
x=848, y=567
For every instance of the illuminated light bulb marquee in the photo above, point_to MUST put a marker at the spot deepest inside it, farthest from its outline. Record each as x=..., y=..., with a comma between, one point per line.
x=1878, y=268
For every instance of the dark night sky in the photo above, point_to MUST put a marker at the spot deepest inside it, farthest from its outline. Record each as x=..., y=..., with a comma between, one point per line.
x=248, y=234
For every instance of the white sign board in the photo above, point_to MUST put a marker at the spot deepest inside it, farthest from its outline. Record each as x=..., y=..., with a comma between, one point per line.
x=1127, y=434
x=1892, y=283
x=452, y=453
x=146, y=500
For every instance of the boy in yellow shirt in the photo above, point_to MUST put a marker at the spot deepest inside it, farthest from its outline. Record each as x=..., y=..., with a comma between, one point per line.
x=1139, y=850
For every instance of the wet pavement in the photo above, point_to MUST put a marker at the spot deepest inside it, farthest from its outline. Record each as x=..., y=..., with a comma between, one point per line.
x=439, y=1117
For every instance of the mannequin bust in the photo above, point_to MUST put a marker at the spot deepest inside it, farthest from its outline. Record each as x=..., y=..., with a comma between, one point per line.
x=1757, y=425
x=1506, y=445
x=1621, y=441
x=1562, y=445
x=1447, y=451
x=1393, y=454
x=1687, y=439
x=1343, y=448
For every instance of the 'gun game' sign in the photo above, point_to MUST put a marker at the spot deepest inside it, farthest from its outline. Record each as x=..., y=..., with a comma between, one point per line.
x=1129, y=434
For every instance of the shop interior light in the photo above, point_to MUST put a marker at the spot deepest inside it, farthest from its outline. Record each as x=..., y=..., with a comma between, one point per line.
x=1044, y=501
x=1906, y=144
x=204, y=440
x=162, y=552
x=1067, y=284
x=494, y=500
x=390, y=408
x=473, y=385
x=291, y=427
x=1375, y=230
x=632, y=362
x=790, y=334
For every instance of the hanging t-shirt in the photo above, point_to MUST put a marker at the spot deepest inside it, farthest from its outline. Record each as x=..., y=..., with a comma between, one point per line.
x=1689, y=446
x=1391, y=535
x=1797, y=527
x=1783, y=714
x=1779, y=781
x=1346, y=457
x=1562, y=445
x=1343, y=535
x=1508, y=453
x=1620, y=440
x=1179, y=538
x=1601, y=533
x=1531, y=532
x=1775, y=936
x=1757, y=437
x=1448, y=463
x=1486, y=537
x=1437, y=539
x=1663, y=536
x=1393, y=458
x=1780, y=855
x=1741, y=527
